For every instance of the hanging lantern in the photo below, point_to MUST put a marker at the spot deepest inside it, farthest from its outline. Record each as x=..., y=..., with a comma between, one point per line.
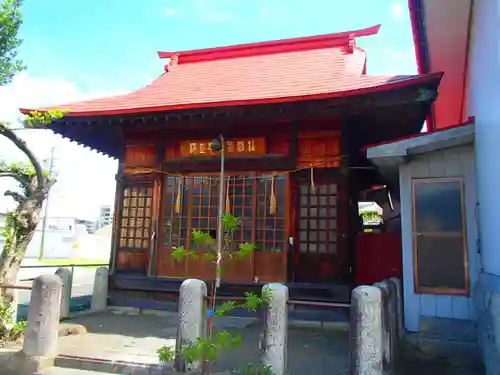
x=216, y=144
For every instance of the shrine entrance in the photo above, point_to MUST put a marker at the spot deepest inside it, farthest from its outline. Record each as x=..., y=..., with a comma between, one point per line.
x=319, y=249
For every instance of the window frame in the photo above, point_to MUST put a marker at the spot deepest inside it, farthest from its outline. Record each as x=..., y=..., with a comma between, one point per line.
x=436, y=290
x=131, y=182
x=255, y=217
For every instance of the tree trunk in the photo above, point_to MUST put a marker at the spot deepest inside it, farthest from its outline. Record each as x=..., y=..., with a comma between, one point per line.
x=28, y=216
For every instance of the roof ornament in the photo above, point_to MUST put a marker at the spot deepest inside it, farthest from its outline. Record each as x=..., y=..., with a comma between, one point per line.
x=174, y=60
x=352, y=44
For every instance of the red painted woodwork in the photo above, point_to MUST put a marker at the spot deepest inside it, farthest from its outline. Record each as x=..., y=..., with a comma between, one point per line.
x=132, y=261
x=378, y=256
x=320, y=148
x=139, y=156
x=271, y=47
x=319, y=249
x=441, y=33
x=249, y=199
x=320, y=67
x=274, y=143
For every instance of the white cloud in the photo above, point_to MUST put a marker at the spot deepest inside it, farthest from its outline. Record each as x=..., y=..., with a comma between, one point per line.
x=170, y=12
x=397, y=11
x=85, y=179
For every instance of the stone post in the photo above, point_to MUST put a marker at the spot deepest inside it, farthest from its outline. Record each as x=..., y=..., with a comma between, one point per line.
x=14, y=304
x=41, y=334
x=65, y=275
x=399, y=307
x=274, y=345
x=99, y=300
x=366, y=348
x=392, y=319
x=192, y=319
x=495, y=314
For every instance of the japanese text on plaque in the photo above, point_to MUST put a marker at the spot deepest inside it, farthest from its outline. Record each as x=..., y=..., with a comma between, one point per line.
x=231, y=147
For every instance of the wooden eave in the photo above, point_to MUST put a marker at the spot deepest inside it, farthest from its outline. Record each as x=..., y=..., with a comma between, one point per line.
x=105, y=134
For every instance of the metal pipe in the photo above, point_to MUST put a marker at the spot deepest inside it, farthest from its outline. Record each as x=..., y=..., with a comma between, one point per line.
x=20, y=287
x=318, y=304
x=220, y=232
x=66, y=265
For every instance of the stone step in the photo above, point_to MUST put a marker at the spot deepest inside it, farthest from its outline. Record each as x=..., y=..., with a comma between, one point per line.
x=112, y=366
x=68, y=371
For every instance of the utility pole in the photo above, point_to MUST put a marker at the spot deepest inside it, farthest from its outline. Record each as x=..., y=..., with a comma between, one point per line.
x=45, y=215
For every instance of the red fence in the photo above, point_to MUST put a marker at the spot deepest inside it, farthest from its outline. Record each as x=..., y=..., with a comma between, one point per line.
x=378, y=257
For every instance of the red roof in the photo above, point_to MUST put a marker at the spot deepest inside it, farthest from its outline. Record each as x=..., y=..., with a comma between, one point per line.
x=278, y=71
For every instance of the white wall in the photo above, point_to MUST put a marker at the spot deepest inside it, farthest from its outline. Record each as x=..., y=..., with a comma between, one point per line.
x=453, y=162
x=484, y=104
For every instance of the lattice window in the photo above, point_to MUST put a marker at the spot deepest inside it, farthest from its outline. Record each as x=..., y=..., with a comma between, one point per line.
x=135, y=228
x=318, y=219
x=176, y=212
x=241, y=194
x=249, y=199
x=270, y=228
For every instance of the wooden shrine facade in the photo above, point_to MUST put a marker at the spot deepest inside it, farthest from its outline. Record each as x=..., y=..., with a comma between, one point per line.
x=311, y=166
x=294, y=165
x=284, y=184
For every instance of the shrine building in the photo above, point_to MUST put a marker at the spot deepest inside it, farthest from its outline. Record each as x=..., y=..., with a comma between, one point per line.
x=295, y=116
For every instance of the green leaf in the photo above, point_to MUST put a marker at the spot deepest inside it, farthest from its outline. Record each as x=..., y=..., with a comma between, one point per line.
x=38, y=119
x=10, y=20
x=209, y=257
x=179, y=254
x=201, y=238
x=192, y=254
x=244, y=250
x=252, y=301
x=265, y=297
x=226, y=340
x=230, y=223
x=166, y=354
x=254, y=369
x=225, y=307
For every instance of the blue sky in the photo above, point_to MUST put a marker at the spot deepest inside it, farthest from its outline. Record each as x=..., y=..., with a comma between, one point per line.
x=82, y=49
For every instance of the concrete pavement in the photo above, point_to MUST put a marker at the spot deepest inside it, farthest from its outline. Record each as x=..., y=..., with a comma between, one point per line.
x=115, y=343
x=135, y=339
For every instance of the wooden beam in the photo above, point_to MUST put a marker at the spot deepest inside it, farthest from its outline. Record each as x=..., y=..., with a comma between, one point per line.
x=262, y=163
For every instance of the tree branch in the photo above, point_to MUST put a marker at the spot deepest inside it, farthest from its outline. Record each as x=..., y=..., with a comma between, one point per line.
x=25, y=183
x=19, y=198
x=10, y=135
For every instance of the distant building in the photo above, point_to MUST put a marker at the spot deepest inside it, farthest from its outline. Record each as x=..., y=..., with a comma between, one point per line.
x=90, y=225
x=105, y=216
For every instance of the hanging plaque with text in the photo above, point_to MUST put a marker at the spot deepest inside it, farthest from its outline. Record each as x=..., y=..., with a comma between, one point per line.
x=233, y=147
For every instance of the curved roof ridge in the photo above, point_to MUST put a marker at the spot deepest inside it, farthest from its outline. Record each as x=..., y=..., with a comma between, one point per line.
x=269, y=47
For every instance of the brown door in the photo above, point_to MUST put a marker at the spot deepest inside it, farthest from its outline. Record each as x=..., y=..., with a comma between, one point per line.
x=318, y=255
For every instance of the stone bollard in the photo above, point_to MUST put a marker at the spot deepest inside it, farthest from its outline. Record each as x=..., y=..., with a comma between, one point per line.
x=14, y=304
x=41, y=334
x=399, y=307
x=65, y=275
x=192, y=319
x=274, y=345
x=100, y=292
x=366, y=347
x=389, y=323
x=495, y=314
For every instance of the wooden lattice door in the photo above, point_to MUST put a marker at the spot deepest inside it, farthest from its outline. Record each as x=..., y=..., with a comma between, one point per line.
x=318, y=250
